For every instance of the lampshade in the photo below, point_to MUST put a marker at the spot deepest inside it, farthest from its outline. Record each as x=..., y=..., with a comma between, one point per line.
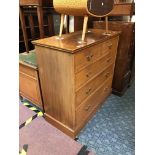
x=97, y=8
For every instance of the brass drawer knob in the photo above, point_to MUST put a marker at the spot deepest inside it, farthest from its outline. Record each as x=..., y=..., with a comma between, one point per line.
x=88, y=91
x=109, y=59
x=88, y=75
x=110, y=45
x=87, y=108
x=107, y=74
x=106, y=88
x=89, y=57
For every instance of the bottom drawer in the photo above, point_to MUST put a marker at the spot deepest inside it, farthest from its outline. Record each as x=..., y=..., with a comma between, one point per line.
x=85, y=109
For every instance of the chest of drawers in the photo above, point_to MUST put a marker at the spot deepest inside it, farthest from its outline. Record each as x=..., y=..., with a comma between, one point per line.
x=124, y=66
x=75, y=79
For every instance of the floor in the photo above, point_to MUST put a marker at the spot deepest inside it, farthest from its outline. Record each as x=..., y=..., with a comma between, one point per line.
x=112, y=130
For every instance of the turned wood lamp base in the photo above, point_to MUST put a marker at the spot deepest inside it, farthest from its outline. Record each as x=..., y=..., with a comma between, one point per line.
x=107, y=32
x=82, y=41
x=83, y=32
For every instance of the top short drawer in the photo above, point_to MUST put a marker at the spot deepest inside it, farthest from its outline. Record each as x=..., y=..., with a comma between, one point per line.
x=92, y=54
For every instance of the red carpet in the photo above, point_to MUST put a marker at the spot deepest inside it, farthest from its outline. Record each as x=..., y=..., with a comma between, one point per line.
x=44, y=139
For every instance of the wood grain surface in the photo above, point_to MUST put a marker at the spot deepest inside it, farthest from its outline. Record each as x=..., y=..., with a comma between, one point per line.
x=74, y=83
x=71, y=44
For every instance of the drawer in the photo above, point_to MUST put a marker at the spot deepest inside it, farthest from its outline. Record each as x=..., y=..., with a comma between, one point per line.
x=112, y=44
x=91, y=71
x=91, y=86
x=86, y=109
x=90, y=55
x=29, y=88
x=27, y=70
x=109, y=47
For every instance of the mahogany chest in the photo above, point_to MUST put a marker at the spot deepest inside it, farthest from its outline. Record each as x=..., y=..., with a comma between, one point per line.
x=124, y=67
x=75, y=78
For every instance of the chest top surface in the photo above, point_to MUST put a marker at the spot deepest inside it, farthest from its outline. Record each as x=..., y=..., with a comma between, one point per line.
x=71, y=42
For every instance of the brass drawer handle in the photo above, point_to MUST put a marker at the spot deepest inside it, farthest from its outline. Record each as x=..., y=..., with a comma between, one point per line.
x=88, y=91
x=107, y=74
x=106, y=88
x=87, y=108
x=89, y=57
x=110, y=45
x=109, y=59
x=88, y=75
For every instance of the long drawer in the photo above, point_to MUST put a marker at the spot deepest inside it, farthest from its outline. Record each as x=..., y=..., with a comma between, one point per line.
x=92, y=54
x=91, y=86
x=91, y=71
x=28, y=70
x=85, y=109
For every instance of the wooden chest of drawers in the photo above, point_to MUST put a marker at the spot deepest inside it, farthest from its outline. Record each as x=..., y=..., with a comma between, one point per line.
x=124, y=67
x=75, y=78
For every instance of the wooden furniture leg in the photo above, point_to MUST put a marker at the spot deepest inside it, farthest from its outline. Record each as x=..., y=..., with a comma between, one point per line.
x=106, y=22
x=31, y=26
x=84, y=28
x=40, y=21
x=61, y=24
x=22, y=19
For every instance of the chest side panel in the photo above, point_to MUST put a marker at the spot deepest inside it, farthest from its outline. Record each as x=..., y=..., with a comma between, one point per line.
x=57, y=83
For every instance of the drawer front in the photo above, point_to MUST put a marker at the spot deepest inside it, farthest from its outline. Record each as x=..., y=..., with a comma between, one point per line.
x=92, y=54
x=89, y=56
x=27, y=70
x=87, y=90
x=29, y=88
x=85, y=109
x=113, y=44
x=91, y=71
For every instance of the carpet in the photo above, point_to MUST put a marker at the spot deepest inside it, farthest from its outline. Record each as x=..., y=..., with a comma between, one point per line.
x=39, y=137
x=112, y=129
x=24, y=113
